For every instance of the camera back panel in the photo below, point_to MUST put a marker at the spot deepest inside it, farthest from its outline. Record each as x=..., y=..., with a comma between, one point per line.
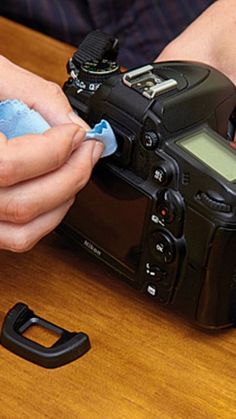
x=162, y=210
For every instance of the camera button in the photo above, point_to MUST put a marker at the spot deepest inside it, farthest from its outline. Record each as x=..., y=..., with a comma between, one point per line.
x=163, y=174
x=169, y=206
x=155, y=272
x=152, y=290
x=168, y=214
x=164, y=247
x=150, y=140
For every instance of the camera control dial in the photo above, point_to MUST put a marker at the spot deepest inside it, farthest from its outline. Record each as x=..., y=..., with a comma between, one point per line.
x=213, y=203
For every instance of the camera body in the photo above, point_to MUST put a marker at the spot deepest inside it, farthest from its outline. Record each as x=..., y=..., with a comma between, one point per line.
x=162, y=210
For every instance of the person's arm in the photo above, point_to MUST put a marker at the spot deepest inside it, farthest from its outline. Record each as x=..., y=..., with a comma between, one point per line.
x=40, y=174
x=209, y=39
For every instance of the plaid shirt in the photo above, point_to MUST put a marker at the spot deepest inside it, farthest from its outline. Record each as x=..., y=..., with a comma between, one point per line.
x=143, y=27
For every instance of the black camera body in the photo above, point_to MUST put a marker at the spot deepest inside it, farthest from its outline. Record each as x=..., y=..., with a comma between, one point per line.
x=162, y=210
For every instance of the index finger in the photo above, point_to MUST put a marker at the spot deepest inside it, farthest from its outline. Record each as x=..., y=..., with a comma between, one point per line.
x=41, y=95
x=32, y=155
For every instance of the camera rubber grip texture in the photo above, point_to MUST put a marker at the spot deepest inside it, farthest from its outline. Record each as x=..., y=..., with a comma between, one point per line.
x=96, y=46
x=67, y=348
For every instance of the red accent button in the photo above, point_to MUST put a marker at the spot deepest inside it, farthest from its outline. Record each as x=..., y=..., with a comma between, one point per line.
x=164, y=212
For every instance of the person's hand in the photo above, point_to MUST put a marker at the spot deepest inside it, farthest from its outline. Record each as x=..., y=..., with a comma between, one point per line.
x=40, y=174
x=209, y=39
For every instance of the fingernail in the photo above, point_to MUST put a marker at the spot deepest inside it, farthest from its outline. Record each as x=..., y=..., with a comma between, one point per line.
x=97, y=151
x=79, y=121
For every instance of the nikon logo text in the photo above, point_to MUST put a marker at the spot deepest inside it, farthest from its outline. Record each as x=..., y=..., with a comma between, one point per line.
x=92, y=247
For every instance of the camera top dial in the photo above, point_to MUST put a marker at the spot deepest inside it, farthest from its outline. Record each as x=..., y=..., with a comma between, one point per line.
x=90, y=66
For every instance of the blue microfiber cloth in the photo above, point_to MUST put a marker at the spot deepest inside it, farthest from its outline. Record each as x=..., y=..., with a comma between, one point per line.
x=103, y=132
x=17, y=119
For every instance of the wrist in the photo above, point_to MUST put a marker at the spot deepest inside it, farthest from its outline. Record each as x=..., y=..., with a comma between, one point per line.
x=209, y=39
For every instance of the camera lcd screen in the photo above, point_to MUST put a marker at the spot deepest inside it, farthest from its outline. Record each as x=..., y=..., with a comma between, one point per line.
x=209, y=150
x=111, y=214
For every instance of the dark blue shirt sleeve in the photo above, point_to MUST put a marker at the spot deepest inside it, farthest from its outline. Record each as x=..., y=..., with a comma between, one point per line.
x=143, y=27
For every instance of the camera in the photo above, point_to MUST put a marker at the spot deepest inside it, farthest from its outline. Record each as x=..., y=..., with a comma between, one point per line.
x=161, y=211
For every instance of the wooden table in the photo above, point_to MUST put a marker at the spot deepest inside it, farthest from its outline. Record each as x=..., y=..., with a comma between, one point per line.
x=145, y=361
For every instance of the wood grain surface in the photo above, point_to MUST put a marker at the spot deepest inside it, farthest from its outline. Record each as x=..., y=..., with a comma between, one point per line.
x=145, y=361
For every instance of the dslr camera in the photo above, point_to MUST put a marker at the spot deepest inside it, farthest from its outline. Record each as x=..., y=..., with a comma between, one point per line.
x=161, y=210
